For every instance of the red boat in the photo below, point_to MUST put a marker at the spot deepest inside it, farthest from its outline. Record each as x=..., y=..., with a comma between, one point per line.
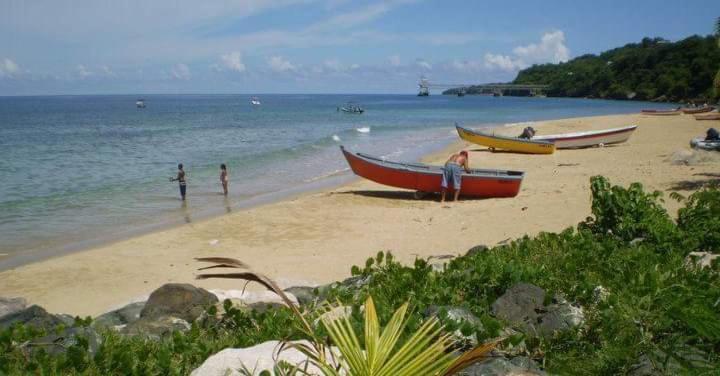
x=426, y=178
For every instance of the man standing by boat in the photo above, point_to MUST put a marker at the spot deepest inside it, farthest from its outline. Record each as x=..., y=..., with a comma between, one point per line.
x=453, y=172
x=181, y=181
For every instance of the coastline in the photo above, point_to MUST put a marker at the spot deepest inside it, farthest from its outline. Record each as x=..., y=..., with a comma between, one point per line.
x=316, y=236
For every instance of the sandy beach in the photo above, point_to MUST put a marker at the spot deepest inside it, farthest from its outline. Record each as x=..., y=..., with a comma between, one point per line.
x=316, y=237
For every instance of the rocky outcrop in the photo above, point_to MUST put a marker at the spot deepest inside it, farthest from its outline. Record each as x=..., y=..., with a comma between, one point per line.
x=305, y=295
x=523, y=305
x=254, y=360
x=11, y=305
x=459, y=316
x=55, y=344
x=34, y=316
x=179, y=300
x=518, y=366
x=476, y=250
x=156, y=328
x=119, y=317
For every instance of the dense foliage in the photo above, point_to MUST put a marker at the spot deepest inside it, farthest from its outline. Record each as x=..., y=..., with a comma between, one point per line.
x=654, y=69
x=657, y=306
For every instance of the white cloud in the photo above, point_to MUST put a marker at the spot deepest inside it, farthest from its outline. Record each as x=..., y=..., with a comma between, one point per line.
x=503, y=62
x=280, y=64
x=354, y=66
x=83, y=72
x=333, y=65
x=466, y=66
x=107, y=71
x=551, y=49
x=358, y=16
x=180, y=71
x=8, y=68
x=394, y=60
x=233, y=61
x=422, y=63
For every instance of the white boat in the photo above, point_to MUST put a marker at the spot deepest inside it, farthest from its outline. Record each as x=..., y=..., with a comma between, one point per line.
x=140, y=103
x=589, y=138
x=255, y=101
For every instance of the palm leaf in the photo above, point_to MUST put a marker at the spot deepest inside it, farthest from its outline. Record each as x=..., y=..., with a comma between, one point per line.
x=477, y=354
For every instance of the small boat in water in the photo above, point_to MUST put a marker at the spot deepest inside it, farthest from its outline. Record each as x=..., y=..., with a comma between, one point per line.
x=255, y=101
x=715, y=116
x=140, y=103
x=661, y=112
x=351, y=108
x=520, y=145
x=698, y=110
x=426, y=178
x=590, y=138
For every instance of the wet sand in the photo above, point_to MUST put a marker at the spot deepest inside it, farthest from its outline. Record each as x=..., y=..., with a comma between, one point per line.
x=316, y=237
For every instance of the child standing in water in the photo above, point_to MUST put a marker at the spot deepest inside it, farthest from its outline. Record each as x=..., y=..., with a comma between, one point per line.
x=224, y=178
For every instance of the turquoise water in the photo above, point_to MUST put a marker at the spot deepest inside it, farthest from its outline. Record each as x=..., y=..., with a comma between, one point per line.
x=75, y=169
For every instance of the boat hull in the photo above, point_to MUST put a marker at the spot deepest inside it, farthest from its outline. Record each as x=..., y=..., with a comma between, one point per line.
x=702, y=144
x=708, y=117
x=697, y=110
x=425, y=178
x=589, y=139
x=661, y=112
x=506, y=143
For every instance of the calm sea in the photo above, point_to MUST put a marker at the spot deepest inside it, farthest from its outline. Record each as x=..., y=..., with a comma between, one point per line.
x=75, y=170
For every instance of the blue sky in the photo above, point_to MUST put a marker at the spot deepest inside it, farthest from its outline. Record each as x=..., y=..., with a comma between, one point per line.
x=310, y=46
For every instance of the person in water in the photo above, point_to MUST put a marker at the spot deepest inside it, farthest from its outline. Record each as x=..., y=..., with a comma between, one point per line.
x=453, y=172
x=224, y=178
x=181, y=181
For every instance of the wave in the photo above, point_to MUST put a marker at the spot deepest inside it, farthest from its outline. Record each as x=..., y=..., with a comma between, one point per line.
x=363, y=129
x=336, y=138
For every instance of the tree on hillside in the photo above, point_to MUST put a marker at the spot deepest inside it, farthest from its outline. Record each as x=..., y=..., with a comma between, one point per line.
x=717, y=76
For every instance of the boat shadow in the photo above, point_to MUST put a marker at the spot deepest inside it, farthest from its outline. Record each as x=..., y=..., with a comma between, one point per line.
x=404, y=195
x=692, y=185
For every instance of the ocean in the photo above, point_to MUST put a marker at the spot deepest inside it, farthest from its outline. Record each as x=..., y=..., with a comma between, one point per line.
x=76, y=171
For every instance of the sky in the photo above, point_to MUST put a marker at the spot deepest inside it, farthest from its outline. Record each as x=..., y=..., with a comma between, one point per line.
x=55, y=47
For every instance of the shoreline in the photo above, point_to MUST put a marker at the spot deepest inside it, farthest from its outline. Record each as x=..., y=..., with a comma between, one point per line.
x=316, y=236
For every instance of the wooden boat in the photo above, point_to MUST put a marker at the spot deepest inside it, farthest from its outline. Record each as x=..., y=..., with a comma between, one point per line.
x=661, y=112
x=520, y=145
x=426, y=178
x=590, y=138
x=715, y=116
x=698, y=110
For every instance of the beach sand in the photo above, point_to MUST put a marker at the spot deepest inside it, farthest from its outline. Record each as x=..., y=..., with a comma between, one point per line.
x=316, y=237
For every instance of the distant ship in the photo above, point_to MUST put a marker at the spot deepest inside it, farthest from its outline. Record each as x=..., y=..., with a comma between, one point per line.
x=140, y=103
x=351, y=108
x=255, y=101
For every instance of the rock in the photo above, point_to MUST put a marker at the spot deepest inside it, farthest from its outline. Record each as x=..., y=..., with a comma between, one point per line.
x=459, y=316
x=257, y=298
x=600, y=294
x=155, y=328
x=523, y=306
x=438, y=263
x=34, y=316
x=700, y=260
x=683, y=361
x=122, y=316
x=55, y=344
x=335, y=313
x=254, y=360
x=476, y=250
x=179, y=300
x=305, y=295
x=11, y=305
x=518, y=366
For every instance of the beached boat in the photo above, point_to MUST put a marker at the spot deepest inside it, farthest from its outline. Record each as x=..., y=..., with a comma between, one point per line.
x=351, y=108
x=255, y=101
x=520, y=145
x=698, y=110
x=590, y=138
x=426, y=178
x=703, y=144
x=140, y=103
x=661, y=112
x=715, y=116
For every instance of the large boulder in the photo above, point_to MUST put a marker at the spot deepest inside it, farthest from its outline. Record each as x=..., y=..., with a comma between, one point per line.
x=518, y=366
x=34, y=316
x=155, y=328
x=11, y=305
x=119, y=317
x=305, y=295
x=254, y=360
x=523, y=305
x=179, y=300
x=59, y=343
x=476, y=250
